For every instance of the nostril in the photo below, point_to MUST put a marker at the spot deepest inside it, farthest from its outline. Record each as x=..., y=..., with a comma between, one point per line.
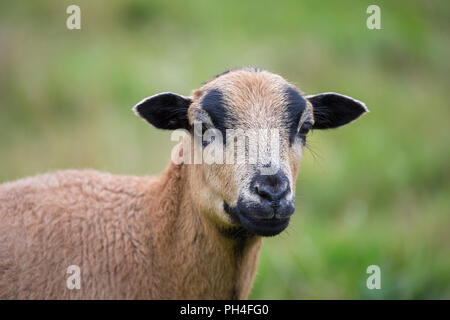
x=284, y=189
x=272, y=193
x=263, y=192
x=272, y=188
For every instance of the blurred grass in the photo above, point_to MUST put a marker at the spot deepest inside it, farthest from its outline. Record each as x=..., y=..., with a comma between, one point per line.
x=375, y=192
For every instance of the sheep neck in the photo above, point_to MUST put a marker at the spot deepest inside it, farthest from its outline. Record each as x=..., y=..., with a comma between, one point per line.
x=207, y=263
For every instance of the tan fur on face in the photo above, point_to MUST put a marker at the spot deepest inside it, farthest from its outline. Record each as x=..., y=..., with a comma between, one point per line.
x=254, y=99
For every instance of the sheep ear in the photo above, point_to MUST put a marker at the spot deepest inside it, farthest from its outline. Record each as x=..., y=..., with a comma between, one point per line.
x=165, y=111
x=332, y=110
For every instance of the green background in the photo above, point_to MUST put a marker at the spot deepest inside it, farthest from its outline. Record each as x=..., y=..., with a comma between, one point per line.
x=374, y=192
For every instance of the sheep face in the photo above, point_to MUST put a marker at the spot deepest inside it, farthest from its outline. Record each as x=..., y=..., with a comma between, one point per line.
x=246, y=133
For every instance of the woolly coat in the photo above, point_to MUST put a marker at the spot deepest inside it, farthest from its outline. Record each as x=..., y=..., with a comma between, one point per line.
x=132, y=237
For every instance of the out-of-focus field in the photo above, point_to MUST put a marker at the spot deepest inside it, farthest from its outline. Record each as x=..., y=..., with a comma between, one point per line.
x=374, y=192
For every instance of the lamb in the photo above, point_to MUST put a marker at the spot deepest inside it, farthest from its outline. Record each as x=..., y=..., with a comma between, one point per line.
x=192, y=233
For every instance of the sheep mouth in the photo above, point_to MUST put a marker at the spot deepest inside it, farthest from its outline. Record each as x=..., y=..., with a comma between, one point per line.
x=267, y=226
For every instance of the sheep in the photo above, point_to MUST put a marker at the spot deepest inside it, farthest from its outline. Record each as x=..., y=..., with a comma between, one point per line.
x=195, y=231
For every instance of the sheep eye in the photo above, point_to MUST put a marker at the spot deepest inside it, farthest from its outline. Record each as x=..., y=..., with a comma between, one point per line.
x=305, y=128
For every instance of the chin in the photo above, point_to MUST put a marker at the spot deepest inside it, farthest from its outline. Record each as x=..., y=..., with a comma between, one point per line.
x=261, y=220
x=265, y=228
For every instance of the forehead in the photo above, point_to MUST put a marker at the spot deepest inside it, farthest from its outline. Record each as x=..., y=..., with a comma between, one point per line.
x=251, y=98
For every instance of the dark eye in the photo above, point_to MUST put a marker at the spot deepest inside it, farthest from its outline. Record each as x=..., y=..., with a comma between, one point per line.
x=305, y=128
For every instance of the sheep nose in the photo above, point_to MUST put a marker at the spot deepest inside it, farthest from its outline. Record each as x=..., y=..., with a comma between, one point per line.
x=272, y=188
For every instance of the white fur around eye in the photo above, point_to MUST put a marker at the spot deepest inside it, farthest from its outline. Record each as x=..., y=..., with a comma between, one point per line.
x=203, y=117
x=306, y=117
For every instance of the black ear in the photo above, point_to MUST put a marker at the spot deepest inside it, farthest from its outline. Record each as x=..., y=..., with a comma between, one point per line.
x=165, y=111
x=332, y=110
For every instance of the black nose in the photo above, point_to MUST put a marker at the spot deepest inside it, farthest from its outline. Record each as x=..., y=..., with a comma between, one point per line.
x=272, y=187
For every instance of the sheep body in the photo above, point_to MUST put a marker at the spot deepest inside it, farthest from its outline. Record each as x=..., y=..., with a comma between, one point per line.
x=132, y=237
